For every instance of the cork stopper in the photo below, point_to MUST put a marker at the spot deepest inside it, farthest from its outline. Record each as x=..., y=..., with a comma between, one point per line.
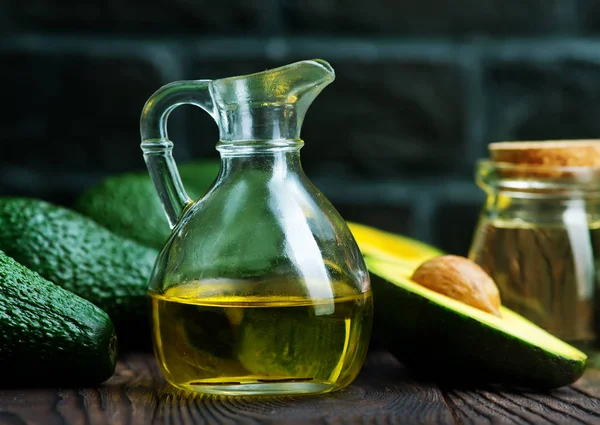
x=545, y=159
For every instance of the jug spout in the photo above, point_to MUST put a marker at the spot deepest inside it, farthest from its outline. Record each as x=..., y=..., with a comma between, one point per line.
x=268, y=105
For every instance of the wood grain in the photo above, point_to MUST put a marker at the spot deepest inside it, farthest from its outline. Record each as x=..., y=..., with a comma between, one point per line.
x=577, y=404
x=384, y=393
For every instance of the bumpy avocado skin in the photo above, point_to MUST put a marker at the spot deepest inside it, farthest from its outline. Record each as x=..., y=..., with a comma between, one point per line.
x=449, y=347
x=49, y=336
x=128, y=205
x=83, y=257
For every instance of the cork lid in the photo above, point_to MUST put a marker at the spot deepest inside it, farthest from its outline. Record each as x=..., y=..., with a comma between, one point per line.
x=545, y=159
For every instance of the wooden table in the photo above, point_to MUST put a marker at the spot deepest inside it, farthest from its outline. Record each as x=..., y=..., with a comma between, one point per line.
x=384, y=393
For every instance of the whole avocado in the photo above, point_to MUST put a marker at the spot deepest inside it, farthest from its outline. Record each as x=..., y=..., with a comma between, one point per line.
x=50, y=336
x=128, y=205
x=83, y=257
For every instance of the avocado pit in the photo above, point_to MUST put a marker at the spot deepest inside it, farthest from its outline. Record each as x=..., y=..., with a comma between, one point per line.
x=461, y=279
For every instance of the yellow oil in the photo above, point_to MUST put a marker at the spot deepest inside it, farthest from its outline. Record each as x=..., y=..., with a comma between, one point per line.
x=259, y=344
x=546, y=272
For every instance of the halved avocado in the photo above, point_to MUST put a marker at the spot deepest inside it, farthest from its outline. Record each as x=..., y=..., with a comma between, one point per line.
x=391, y=247
x=454, y=342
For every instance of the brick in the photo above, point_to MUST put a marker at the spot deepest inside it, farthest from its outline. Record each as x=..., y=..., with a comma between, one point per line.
x=429, y=16
x=392, y=218
x=51, y=185
x=540, y=98
x=454, y=225
x=73, y=113
x=389, y=118
x=141, y=16
x=6, y=22
x=589, y=14
x=376, y=119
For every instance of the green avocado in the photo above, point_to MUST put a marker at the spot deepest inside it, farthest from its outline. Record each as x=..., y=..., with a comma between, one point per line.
x=454, y=342
x=79, y=255
x=128, y=205
x=50, y=336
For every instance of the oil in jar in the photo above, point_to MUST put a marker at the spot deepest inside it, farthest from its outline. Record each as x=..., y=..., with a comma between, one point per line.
x=545, y=272
x=259, y=344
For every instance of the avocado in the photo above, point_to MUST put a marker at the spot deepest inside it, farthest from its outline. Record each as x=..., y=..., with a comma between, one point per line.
x=77, y=254
x=50, y=336
x=128, y=205
x=454, y=342
x=391, y=247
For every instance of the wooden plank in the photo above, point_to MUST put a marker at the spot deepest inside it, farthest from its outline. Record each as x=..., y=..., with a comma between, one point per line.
x=129, y=397
x=576, y=404
x=136, y=394
x=589, y=384
x=384, y=393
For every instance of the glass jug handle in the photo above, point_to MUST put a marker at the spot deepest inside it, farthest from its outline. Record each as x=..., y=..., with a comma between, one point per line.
x=158, y=148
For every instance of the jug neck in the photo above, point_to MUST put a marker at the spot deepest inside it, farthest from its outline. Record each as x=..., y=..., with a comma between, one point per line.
x=276, y=158
x=259, y=123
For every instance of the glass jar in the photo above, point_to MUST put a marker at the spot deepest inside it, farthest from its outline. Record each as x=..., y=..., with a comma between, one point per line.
x=538, y=236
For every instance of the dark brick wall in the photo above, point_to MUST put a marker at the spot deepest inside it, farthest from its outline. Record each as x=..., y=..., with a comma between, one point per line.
x=421, y=88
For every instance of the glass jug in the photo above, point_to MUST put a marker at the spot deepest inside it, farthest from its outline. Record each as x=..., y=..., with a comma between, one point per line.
x=261, y=287
x=539, y=238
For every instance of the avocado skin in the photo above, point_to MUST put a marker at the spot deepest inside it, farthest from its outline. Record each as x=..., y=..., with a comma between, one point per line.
x=50, y=336
x=449, y=347
x=83, y=257
x=128, y=204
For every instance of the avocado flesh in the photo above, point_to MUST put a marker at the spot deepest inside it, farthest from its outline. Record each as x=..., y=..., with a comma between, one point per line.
x=391, y=247
x=83, y=257
x=451, y=341
x=128, y=205
x=50, y=336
